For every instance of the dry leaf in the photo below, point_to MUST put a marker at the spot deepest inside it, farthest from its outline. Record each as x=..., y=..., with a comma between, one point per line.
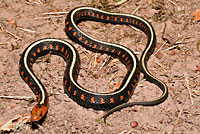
x=15, y=123
x=196, y=15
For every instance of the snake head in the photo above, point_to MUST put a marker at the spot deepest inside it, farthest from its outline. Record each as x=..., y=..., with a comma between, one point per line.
x=38, y=112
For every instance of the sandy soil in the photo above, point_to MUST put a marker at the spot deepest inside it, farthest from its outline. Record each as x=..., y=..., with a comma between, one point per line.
x=177, y=63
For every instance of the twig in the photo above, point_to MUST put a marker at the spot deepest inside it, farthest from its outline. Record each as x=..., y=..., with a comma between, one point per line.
x=172, y=2
x=118, y=3
x=17, y=97
x=55, y=13
x=176, y=122
x=49, y=17
x=28, y=30
x=172, y=48
x=123, y=132
x=136, y=10
x=95, y=60
x=188, y=87
x=103, y=64
x=111, y=78
x=160, y=47
x=159, y=64
x=13, y=35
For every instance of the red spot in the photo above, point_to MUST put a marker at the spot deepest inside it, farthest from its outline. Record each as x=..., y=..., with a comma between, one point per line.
x=31, y=59
x=75, y=92
x=132, y=85
x=90, y=44
x=30, y=83
x=74, y=34
x=65, y=82
x=121, y=19
x=57, y=47
x=128, y=92
x=107, y=49
x=22, y=73
x=34, y=54
x=102, y=101
x=45, y=47
x=95, y=45
x=39, y=97
x=80, y=38
x=67, y=23
x=113, y=51
x=38, y=50
x=123, y=55
x=101, y=47
x=115, y=18
x=26, y=78
x=70, y=28
x=126, y=20
x=51, y=46
x=112, y=100
x=101, y=16
x=62, y=50
x=92, y=100
x=86, y=41
x=97, y=15
x=121, y=98
x=126, y=58
x=133, y=21
x=107, y=17
x=66, y=52
x=82, y=96
x=70, y=87
x=93, y=14
x=119, y=52
x=67, y=56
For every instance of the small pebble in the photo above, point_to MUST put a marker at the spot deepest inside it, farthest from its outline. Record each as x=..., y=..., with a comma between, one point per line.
x=172, y=52
x=134, y=124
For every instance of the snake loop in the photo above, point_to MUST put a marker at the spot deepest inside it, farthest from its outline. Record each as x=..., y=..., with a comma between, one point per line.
x=100, y=101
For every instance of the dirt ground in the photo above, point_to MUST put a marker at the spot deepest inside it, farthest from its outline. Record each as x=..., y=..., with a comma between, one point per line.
x=176, y=63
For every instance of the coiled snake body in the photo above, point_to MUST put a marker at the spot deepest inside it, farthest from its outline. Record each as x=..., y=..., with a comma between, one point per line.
x=100, y=101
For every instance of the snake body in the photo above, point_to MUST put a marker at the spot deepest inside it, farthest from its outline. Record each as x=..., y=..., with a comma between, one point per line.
x=99, y=101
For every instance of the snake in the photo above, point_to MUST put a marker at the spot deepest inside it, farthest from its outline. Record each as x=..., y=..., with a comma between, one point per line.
x=110, y=102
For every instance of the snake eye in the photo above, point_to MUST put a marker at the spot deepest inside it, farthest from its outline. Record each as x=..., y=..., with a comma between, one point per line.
x=40, y=114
